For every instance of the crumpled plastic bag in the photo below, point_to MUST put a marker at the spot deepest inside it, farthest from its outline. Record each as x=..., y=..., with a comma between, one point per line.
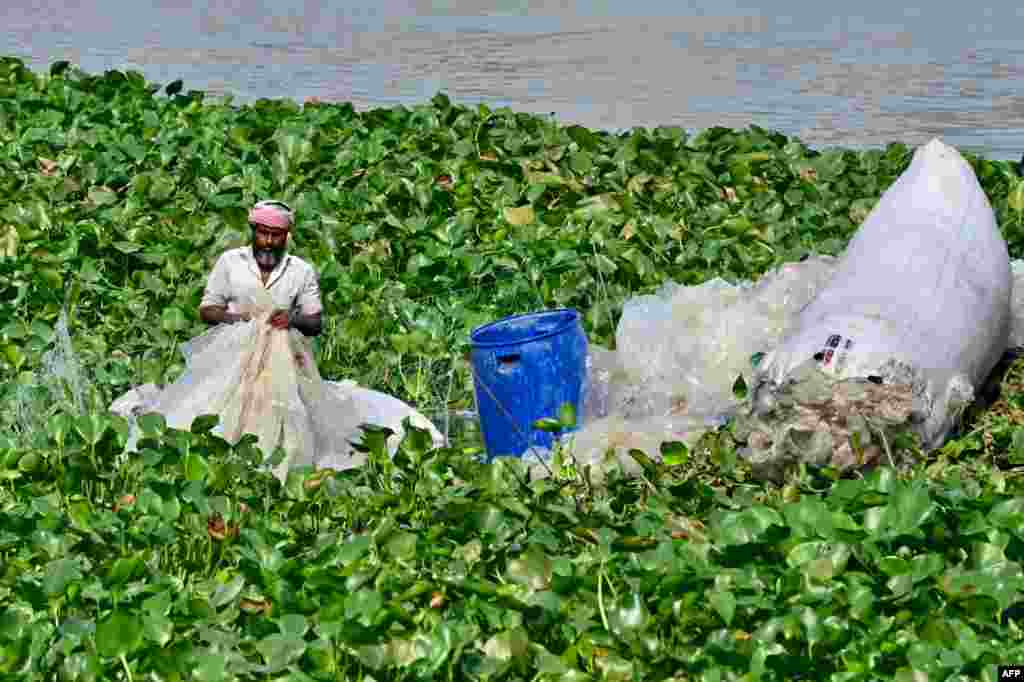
x=603, y=372
x=679, y=354
x=682, y=348
x=821, y=420
x=265, y=381
x=605, y=443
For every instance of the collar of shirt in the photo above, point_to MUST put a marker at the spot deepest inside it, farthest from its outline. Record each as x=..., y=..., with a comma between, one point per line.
x=275, y=274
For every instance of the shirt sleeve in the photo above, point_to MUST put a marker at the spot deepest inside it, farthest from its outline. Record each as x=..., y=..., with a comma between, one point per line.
x=308, y=299
x=217, y=292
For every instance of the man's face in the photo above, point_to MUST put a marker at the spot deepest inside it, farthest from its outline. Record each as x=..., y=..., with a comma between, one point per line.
x=268, y=245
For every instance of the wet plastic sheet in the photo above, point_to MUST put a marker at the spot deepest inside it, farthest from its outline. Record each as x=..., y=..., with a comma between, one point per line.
x=685, y=346
x=680, y=352
x=264, y=381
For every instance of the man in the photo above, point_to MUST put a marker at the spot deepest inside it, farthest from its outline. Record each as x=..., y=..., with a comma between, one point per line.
x=291, y=281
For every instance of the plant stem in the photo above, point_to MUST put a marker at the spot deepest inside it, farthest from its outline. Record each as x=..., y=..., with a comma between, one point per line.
x=127, y=669
x=600, y=599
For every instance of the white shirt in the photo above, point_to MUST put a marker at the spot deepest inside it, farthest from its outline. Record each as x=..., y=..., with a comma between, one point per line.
x=293, y=284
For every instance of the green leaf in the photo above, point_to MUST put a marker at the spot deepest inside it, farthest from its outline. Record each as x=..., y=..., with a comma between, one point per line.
x=522, y=215
x=210, y=666
x=29, y=462
x=1009, y=514
x=739, y=388
x=14, y=356
x=173, y=320
x=225, y=594
x=61, y=573
x=674, y=453
x=630, y=617
x=157, y=628
x=119, y=635
x=196, y=468
x=1015, y=199
x=354, y=549
x=204, y=423
x=278, y=651
x=127, y=247
x=548, y=424
x=52, y=278
x=364, y=606
x=740, y=528
x=724, y=604
x=649, y=466
x=124, y=569
x=605, y=265
x=581, y=162
x=401, y=545
x=907, y=511
x=293, y=625
x=507, y=645
x=149, y=502
x=533, y=570
x=102, y=196
x=567, y=415
x=92, y=427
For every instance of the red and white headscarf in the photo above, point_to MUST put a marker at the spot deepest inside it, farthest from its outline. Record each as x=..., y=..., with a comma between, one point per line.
x=272, y=214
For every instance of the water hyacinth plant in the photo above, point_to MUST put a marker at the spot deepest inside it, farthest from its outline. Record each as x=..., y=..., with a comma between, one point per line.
x=186, y=561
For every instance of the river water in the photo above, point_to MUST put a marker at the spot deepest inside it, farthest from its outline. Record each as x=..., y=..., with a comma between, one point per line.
x=857, y=74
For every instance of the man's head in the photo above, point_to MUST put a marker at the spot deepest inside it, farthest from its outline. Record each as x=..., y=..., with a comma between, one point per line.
x=271, y=222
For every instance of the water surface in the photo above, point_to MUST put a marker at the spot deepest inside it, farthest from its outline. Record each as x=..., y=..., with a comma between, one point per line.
x=851, y=74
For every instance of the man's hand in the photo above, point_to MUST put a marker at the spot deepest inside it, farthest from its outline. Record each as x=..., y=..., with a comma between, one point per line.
x=309, y=325
x=281, y=320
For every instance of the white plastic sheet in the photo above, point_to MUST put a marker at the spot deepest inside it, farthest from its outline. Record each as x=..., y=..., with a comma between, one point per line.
x=264, y=381
x=682, y=349
x=680, y=352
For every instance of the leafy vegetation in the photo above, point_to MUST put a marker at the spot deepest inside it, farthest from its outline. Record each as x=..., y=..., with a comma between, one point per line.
x=186, y=561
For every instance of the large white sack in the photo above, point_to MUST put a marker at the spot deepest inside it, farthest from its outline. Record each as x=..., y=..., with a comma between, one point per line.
x=921, y=296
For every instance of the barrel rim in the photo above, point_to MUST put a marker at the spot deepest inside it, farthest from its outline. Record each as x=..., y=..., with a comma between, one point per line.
x=574, y=317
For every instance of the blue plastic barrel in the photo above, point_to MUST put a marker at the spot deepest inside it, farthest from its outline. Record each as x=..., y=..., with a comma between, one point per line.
x=525, y=368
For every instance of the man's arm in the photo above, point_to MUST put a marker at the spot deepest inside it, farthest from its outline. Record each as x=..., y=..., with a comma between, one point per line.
x=308, y=318
x=309, y=325
x=213, y=309
x=218, y=314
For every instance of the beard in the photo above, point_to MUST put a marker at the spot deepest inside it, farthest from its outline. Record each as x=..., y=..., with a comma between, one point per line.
x=267, y=259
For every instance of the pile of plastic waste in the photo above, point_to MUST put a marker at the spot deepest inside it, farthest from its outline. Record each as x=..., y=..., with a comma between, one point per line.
x=898, y=333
